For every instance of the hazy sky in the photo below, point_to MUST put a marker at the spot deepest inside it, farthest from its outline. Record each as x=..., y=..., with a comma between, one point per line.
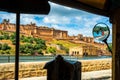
x=63, y=18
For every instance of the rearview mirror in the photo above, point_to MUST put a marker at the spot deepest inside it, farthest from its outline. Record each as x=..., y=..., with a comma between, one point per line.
x=101, y=32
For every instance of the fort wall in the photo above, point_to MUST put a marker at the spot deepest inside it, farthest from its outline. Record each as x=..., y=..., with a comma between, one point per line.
x=42, y=32
x=35, y=31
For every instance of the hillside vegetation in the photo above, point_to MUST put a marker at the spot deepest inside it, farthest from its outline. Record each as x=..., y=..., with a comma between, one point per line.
x=28, y=45
x=65, y=43
x=33, y=46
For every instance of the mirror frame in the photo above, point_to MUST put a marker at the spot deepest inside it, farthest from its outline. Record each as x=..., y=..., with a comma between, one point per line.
x=108, y=31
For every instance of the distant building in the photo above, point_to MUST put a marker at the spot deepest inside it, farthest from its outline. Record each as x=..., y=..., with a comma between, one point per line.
x=88, y=39
x=76, y=51
x=87, y=50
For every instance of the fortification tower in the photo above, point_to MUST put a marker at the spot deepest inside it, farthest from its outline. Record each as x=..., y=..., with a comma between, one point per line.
x=5, y=23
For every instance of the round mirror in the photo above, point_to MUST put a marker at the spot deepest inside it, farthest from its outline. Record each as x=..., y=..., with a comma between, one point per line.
x=101, y=31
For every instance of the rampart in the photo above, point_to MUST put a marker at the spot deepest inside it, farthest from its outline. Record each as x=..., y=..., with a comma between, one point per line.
x=32, y=69
x=43, y=32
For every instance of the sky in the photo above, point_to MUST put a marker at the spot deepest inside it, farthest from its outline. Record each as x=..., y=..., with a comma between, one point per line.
x=64, y=18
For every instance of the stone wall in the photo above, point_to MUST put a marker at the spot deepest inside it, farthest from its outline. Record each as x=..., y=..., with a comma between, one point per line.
x=26, y=69
x=95, y=65
x=31, y=69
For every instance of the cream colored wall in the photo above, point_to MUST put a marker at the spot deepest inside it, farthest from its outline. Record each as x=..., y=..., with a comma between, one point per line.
x=32, y=69
x=74, y=50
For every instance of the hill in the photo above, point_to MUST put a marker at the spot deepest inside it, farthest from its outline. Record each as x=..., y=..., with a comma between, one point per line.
x=37, y=46
x=30, y=45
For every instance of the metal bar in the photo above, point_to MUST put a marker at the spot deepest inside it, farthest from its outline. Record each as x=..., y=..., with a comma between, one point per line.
x=17, y=46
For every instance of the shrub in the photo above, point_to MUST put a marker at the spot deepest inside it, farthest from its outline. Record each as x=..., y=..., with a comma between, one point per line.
x=5, y=47
x=51, y=50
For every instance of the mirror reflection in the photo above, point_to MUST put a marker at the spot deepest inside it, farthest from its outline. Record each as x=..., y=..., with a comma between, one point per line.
x=101, y=31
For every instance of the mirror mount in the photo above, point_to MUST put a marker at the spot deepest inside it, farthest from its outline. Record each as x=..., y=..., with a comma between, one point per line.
x=105, y=41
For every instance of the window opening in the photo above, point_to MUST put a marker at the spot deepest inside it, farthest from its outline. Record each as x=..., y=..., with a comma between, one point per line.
x=64, y=31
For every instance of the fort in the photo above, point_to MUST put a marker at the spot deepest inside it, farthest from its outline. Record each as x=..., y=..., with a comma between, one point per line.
x=34, y=31
x=43, y=32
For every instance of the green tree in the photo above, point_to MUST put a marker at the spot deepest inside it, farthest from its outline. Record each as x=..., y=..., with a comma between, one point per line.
x=12, y=36
x=66, y=50
x=39, y=51
x=0, y=46
x=26, y=48
x=51, y=50
x=6, y=36
x=2, y=52
x=7, y=51
x=1, y=37
x=5, y=47
x=36, y=47
x=13, y=41
x=22, y=48
x=30, y=39
x=41, y=43
x=22, y=38
x=27, y=39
